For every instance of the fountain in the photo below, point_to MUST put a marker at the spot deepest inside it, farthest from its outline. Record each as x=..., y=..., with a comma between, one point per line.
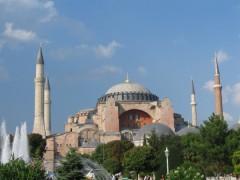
x=19, y=149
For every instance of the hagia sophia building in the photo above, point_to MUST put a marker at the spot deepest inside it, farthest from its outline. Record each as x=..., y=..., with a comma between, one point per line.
x=126, y=111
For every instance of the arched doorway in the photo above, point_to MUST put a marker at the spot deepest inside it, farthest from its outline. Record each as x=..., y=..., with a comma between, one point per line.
x=134, y=119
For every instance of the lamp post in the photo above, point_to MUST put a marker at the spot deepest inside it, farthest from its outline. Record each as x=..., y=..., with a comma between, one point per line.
x=167, y=154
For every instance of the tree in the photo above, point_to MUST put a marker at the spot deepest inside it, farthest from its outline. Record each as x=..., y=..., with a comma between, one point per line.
x=236, y=163
x=18, y=169
x=159, y=144
x=213, y=151
x=71, y=167
x=37, y=145
x=112, y=152
x=186, y=173
x=138, y=159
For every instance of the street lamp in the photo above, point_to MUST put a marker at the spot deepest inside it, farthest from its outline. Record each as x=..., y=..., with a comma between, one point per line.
x=167, y=154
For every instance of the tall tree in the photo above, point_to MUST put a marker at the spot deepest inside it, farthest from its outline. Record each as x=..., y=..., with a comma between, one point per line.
x=71, y=167
x=37, y=145
x=139, y=159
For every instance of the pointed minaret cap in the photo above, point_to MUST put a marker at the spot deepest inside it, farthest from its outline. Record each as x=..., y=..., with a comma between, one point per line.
x=127, y=79
x=40, y=56
x=47, y=84
x=193, y=88
x=217, y=72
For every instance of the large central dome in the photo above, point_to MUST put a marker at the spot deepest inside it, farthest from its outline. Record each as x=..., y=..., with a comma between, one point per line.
x=129, y=87
x=128, y=91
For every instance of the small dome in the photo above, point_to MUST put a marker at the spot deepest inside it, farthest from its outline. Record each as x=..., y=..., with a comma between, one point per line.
x=160, y=129
x=127, y=86
x=188, y=130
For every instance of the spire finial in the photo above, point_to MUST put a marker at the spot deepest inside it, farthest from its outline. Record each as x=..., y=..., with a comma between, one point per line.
x=40, y=56
x=216, y=64
x=47, y=84
x=193, y=88
x=127, y=78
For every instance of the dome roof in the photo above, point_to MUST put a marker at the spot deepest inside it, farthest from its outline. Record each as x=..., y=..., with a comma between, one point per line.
x=188, y=130
x=128, y=86
x=160, y=129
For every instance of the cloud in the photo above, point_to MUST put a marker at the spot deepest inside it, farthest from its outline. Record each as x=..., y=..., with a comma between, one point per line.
x=3, y=73
x=222, y=56
x=106, y=71
x=228, y=117
x=18, y=34
x=142, y=70
x=209, y=85
x=40, y=10
x=107, y=51
x=71, y=53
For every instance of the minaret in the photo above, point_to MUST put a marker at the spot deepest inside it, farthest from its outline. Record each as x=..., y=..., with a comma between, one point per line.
x=218, y=90
x=194, y=106
x=38, y=126
x=47, y=107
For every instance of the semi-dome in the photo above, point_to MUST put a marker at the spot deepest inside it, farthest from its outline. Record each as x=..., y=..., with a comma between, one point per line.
x=158, y=128
x=188, y=130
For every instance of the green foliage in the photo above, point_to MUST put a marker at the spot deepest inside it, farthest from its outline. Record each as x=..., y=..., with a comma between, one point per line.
x=18, y=169
x=112, y=152
x=138, y=159
x=186, y=173
x=112, y=165
x=236, y=162
x=37, y=145
x=71, y=167
x=159, y=144
x=208, y=149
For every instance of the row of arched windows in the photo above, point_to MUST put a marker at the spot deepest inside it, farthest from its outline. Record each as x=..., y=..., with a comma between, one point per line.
x=129, y=97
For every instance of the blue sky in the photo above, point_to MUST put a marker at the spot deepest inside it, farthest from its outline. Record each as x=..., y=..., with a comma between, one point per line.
x=90, y=46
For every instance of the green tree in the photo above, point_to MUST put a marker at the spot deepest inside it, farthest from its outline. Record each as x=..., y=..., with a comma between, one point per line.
x=37, y=145
x=213, y=151
x=138, y=159
x=186, y=173
x=18, y=169
x=112, y=152
x=71, y=167
x=236, y=163
x=159, y=144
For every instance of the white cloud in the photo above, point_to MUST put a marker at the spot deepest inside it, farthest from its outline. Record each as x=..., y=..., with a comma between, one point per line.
x=107, y=51
x=222, y=56
x=209, y=85
x=228, y=117
x=41, y=10
x=18, y=34
x=142, y=70
x=108, y=69
x=3, y=73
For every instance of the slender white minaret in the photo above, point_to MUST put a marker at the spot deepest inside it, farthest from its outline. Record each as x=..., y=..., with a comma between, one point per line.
x=194, y=106
x=38, y=126
x=47, y=107
x=218, y=90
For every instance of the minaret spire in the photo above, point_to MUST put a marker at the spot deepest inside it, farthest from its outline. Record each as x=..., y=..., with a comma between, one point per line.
x=217, y=72
x=38, y=126
x=127, y=78
x=47, y=107
x=218, y=90
x=193, y=106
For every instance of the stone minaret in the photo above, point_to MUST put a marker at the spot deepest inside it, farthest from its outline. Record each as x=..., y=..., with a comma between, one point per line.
x=47, y=107
x=38, y=126
x=194, y=106
x=218, y=90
